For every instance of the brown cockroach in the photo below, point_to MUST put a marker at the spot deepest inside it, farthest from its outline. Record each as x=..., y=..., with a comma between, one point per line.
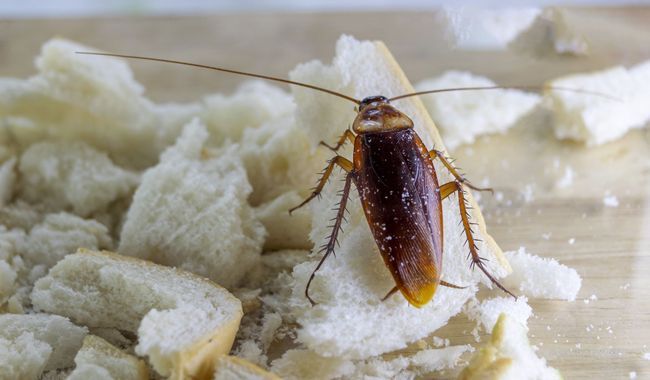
x=398, y=185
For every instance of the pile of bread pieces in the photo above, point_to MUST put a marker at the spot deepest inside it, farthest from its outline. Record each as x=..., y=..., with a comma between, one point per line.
x=142, y=240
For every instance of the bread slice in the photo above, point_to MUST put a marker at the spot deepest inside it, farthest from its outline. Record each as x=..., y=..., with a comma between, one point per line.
x=350, y=320
x=508, y=356
x=98, y=352
x=464, y=115
x=182, y=321
x=597, y=119
x=191, y=212
x=234, y=368
x=61, y=337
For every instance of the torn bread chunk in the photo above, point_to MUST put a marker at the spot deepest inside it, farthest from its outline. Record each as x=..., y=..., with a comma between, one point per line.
x=7, y=180
x=350, y=319
x=120, y=365
x=23, y=357
x=508, y=356
x=280, y=158
x=61, y=234
x=541, y=277
x=93, y=99
x=285, y=231
x=232, y=368
x=253, y=104
x=62, y=337
x=477, y=28
x=12, y=266
x=550, y=34
x=207, y=227
x=596, y=119
x=72, y=176
x=487, y=311
x=463, y=115
x=182, y=321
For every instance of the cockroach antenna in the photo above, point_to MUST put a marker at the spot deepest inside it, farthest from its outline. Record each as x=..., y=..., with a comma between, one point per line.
x=528, y=88
x=237, y=72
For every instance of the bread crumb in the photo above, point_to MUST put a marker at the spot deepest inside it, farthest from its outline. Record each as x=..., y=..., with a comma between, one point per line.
x=632, y=375
x=572, y=241
x=541, y=277
x=567, y=178
x=610, y=201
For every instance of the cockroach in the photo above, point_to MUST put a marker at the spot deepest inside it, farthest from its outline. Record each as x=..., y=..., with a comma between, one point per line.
x=398, y=186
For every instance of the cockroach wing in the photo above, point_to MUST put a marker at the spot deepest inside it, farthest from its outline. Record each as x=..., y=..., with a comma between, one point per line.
x=399, y=192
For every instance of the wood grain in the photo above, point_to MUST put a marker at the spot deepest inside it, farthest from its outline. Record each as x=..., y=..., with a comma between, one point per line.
x=602, y=339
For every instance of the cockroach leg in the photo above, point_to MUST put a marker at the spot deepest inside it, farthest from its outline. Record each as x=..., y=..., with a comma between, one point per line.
x=450, y=285
x=433, y=154
x=457, y=186
x=347, y=135
x=390, y=293
x=332, y=241
x=341, y=161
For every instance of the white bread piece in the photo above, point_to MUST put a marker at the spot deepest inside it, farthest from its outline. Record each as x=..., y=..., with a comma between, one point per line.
x=91, y=371
x=20, y=214
x=279, y=157
x=23, y=357
x=234, y=368
x=253, y=104
x=61, y=234
x=488, y=311
x=463, y=115
x=92, y=99
x=297, y=364
x=62, y=336
x=541, y=277
x=476, y=28
x=182, y=321
x=285, y=231
x=350, y=320
x=7, y=180
x=550, y=34
x=191, y=212
x=308, y=365
x=67, y=175
x=120, y=365
x=508, y=356
x=12, y=266
x=596, y=119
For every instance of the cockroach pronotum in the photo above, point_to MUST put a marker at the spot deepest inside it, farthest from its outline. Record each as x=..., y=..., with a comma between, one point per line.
x=397, y=182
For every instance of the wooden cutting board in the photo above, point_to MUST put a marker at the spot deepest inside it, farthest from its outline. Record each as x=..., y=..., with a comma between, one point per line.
x=605, y=333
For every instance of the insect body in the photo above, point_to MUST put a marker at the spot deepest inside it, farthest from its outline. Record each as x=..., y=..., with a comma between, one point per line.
x=401, y=198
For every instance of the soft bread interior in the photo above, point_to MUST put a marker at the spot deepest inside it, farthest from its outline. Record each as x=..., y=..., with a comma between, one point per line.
x=96, y=352
x=182, y=321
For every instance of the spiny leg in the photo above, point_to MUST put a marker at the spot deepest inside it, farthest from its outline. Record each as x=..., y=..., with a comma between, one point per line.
x=341, y=161
x=347, y=135
x=390, y=293
x=456, y=186
x=336, y=228
x=433, y=154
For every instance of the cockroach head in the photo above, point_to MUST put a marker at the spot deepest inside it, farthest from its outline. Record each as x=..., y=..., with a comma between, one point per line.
x=376, y=114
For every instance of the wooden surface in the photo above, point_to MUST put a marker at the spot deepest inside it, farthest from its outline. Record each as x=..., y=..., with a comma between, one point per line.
x=602, y=339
